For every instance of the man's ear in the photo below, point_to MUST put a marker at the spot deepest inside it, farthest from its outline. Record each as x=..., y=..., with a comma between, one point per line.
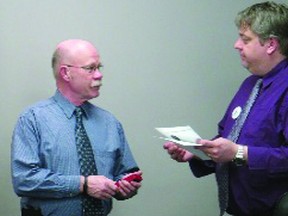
x=65, y=73
x=273, y=45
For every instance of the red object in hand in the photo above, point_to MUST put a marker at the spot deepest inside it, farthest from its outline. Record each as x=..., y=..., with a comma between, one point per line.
x=130, y=178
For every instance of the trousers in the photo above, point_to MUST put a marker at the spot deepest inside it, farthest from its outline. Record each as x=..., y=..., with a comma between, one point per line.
x=30, y=212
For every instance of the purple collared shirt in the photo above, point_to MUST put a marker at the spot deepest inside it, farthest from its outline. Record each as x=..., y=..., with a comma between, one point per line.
x=257, y=186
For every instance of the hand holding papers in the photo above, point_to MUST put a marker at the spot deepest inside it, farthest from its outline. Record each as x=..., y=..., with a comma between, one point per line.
x=185, y=137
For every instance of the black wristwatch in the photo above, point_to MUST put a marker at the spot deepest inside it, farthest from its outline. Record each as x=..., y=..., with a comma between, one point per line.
x=239, y=159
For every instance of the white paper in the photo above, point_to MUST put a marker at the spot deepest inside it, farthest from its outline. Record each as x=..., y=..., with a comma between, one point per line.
x=184, y=136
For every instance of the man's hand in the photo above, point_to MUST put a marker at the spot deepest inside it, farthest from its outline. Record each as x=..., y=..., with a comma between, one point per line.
x=127, y=189
x=177, y=153
x=219, y=150
x=100, y=187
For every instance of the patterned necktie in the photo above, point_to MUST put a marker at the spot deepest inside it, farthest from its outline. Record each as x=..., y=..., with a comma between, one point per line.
x=91, y=206
x=222, y=174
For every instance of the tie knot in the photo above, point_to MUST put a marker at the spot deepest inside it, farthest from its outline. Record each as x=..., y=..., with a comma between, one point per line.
x=259, y=82
x=78, y=112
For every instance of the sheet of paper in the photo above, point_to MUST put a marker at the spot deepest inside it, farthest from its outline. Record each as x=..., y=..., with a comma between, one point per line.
x=183, y=136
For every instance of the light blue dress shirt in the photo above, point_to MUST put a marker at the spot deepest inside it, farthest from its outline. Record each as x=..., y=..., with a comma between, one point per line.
x=45, y=168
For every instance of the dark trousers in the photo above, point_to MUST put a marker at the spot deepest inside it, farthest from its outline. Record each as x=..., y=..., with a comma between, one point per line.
x=30, y=212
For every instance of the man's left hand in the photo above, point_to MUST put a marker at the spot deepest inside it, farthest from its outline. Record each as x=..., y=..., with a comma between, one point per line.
x=219, y=150
x=127, y=189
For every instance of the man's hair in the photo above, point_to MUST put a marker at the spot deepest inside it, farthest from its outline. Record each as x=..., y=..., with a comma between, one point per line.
x=54, y=62
x=267, y=20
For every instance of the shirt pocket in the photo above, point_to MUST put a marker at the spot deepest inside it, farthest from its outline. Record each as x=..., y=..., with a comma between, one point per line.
x=106, y=163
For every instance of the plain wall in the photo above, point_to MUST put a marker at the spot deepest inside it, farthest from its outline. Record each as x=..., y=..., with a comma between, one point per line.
x=166, y=63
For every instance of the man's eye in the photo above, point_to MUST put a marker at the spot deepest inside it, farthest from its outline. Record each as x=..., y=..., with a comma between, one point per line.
x=93, y=68
x=88, y=69
x=245, y=40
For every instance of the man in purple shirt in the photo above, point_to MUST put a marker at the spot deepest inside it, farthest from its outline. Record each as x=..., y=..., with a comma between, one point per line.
x=258, y=162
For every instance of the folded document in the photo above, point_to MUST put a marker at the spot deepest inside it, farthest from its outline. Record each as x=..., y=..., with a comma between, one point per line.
x=184, y=136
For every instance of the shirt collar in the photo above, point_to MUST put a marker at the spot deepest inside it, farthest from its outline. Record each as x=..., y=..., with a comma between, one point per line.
x=67, y=107
x=274, y=73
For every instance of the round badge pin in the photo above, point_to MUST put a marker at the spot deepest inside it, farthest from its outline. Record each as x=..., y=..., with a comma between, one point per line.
x=236, y=112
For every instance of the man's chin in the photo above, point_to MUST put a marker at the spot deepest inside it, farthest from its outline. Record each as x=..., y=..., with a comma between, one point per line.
x=92, y=96
x=244, y=64
x=95, y=95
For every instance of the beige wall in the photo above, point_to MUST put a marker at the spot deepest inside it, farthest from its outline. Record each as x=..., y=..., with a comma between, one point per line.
x=167, y=63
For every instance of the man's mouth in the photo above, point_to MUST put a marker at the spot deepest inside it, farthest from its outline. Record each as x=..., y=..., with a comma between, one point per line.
x=96, y=84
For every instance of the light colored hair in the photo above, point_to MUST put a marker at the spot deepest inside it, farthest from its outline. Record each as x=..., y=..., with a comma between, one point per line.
x=267, y=20
x=54, y=62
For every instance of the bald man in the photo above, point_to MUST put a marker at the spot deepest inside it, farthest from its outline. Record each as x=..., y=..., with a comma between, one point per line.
x=46, y=171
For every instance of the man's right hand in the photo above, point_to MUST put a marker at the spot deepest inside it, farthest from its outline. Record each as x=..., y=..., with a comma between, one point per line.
x=101, y=187
x=177, y=153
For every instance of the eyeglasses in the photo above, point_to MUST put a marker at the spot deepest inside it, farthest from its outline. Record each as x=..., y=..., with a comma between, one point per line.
x=89, y=68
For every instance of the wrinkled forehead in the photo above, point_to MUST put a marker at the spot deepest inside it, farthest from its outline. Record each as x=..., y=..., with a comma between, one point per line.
x=78, y=51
